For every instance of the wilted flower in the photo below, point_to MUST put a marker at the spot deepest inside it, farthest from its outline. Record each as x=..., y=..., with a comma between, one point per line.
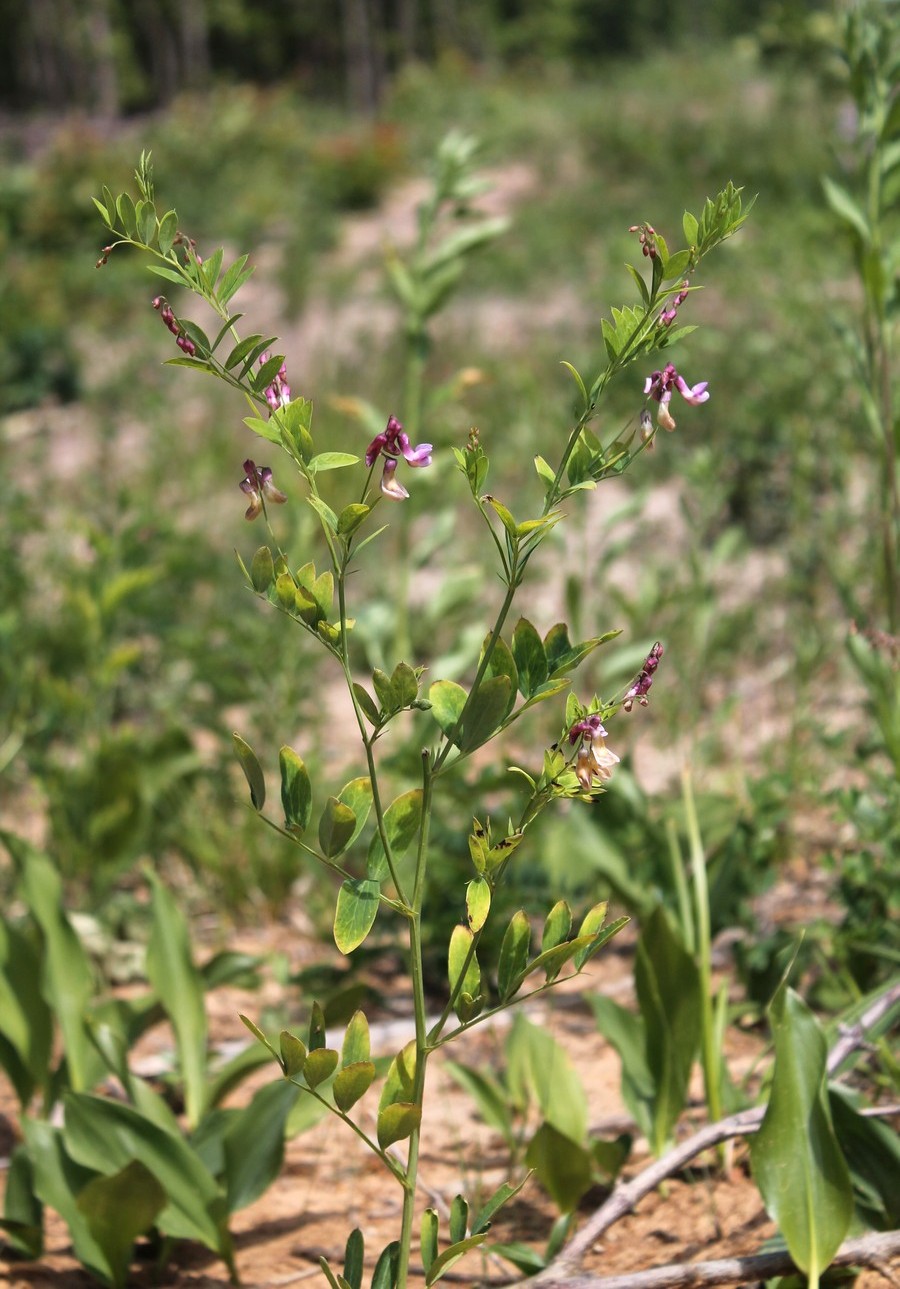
x=392, y=443
x=278, y=394
x=642, y=685
x=184, y=342
x=660, y=384
x=593, y=761
x=258, y=486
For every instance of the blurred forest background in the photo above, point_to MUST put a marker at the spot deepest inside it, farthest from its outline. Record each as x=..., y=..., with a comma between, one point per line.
x=304, y=133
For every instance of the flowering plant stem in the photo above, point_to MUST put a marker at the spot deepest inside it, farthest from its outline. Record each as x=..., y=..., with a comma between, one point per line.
x=452, y=722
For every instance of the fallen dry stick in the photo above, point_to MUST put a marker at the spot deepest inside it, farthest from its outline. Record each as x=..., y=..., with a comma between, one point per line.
x=872, y=1250
x=626, y=1195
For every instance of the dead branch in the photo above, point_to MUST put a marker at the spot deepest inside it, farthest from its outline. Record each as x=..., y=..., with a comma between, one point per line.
x=871, y=1250
x=626, y=1194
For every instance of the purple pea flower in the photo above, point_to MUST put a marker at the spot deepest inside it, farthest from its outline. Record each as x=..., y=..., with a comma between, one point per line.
x=660, y=384
x=258, y=486
x=594, y=761
x=392, y=443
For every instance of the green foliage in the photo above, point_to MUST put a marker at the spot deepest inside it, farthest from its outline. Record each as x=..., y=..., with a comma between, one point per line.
x=797, y=1162
x=659, y=1045
x=186, y=1182
x=537, y=1104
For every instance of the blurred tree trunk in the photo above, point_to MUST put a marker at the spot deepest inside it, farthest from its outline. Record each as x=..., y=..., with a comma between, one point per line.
x=68, y=56
x=175, y=37
x=363, y=64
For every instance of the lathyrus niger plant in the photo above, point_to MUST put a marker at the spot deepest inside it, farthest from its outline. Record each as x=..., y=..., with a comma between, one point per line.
x=372, y=833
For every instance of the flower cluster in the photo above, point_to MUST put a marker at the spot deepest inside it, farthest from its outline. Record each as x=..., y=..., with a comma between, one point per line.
x=278, y=394
x=594, y=761
x=660, y=384
x=642, y=685
x=183, y=342
x=258, y=486
x=391, y=444
x=667, y=317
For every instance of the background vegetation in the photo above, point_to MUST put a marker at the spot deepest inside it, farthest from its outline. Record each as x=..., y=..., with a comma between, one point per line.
x=124, y=664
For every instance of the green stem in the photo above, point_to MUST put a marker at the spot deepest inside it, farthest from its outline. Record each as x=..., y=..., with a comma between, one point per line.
x=711, y=1052
x=486, y=656
x=417, y=977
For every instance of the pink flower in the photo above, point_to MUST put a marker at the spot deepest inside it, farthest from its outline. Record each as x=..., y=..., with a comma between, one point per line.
x=258, y=486
x=660, y=384
x=392, y=443
x=641, y=686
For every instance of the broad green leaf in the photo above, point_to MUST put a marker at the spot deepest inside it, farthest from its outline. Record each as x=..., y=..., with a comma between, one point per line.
x=320, y=1065
x=67, y=981
x=170, y=275
x=539, y=1066
x=667, y=981
x=351, y=517
x=357, y=907
x=23, y=1213
x=145, y=218
x=101, y=1134
x=451, y=1256
x=253, y=773
x=428, y=1244
x=399, y=1084
x=459, y=1218
x=25, y=1018
x=353, y=1259
x=690, y=227
x=404, y=684
x=357, y=794
x=796, y=1160
x=872, y=1151
x=293, y=1054
x=385, y=1274
x=592, y=924
x=254, y=1143
x=557, y=926
x=447, y=702
x=503, y=663
x=118, y=1209
x=396, y=1122
x=262, y=570
x=332, y=461
x=487, y=711
x=352, y=1082
x=478, y=902
x=173, y=974
x=57, y=1180
x=513, y=955
x=530, y=658
x=401, y=825
x=462, y=967
x=846, y=209
x=336, y=827
x=364, y=698
x=627, y=1034
x=563, y=1166
x=356, y=1045
x=263, y=377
